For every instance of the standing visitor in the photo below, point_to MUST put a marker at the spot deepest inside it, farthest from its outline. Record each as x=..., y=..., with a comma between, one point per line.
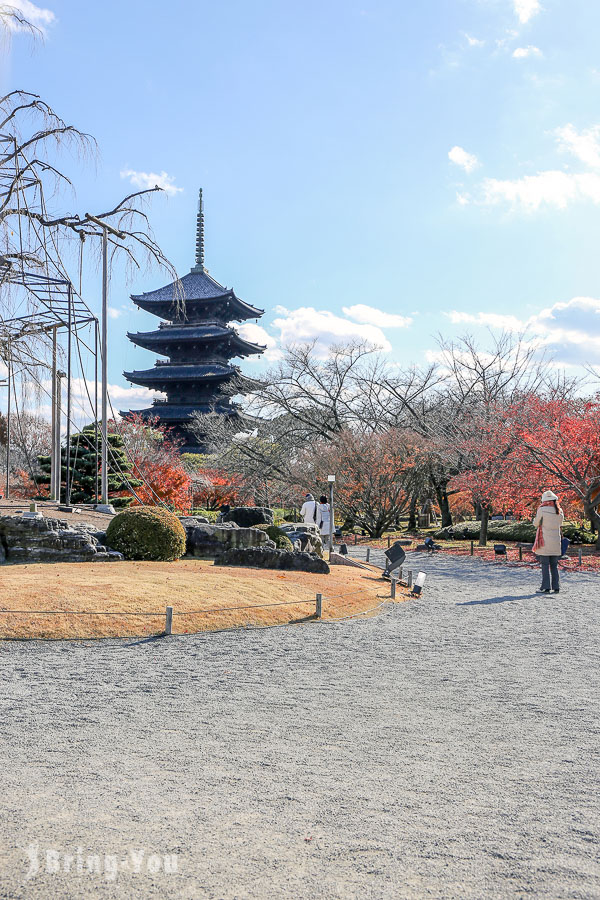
x=547, y=546
x=309, y=510
x=324, y=519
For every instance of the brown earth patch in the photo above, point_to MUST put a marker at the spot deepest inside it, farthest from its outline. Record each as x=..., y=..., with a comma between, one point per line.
x=203, y=597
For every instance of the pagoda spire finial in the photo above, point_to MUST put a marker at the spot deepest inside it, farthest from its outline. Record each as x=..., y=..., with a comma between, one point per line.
x=199, y=267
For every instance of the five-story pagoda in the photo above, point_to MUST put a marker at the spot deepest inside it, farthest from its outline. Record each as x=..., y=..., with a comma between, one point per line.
x=198, y=340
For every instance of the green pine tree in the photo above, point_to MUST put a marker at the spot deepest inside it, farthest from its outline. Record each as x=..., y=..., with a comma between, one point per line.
x=83, y=467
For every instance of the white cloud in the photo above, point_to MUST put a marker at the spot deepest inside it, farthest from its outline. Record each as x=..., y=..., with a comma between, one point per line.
x=489, y=320
x=146, y=180
x=526, y=9
x=585, y=145
x=524, y=52
x=369, y=315
x=114, y=313
x=460, y=157
x=551, y=188
x=256, y=334
x=568, y=331
x=325, y=328
x=37, y=15
x=473, y=41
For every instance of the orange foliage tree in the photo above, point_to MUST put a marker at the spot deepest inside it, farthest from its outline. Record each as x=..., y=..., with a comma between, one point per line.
x=154, y=453
x=374, y=475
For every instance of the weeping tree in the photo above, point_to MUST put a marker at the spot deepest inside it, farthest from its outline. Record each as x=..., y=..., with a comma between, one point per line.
x=42, y=235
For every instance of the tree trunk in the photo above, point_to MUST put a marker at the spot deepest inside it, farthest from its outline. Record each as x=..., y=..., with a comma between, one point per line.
x=592, y=515
x=440, y=488
x=478, y=510
x=483, y=531
x=412, y=513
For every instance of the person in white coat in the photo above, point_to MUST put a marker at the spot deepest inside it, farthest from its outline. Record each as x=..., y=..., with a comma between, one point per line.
x=548, y=540
x=309, y=510
x=324, y=519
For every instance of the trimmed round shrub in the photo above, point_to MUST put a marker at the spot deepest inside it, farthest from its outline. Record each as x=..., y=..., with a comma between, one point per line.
x=279, y=537
x=147, y=532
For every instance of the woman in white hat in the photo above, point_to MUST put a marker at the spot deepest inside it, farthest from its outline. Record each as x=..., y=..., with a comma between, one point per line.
x=547, y=546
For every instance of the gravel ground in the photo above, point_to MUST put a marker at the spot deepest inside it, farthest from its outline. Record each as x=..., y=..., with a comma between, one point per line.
x=447, y=748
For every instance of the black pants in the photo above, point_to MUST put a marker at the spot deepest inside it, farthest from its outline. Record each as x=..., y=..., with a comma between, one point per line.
x=549, y=567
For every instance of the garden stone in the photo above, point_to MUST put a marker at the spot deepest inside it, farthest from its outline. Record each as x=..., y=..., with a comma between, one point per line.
x=207, y=541
x=246, y=516
x=31, y=540
x=266, y=558
x=193, y=520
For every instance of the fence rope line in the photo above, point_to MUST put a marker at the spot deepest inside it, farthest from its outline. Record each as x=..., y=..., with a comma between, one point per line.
x=194, y=612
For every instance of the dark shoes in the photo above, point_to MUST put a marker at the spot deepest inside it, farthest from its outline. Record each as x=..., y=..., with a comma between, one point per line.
x=543, y=591
x=556, y=591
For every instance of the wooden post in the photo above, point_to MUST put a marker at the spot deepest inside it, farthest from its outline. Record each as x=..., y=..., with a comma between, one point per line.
x=472, y=547
x=580, y=553
x=520, y=554
x=169, y=620
x=355, y=538
x=393, y=588
x=409, y=578
x=389, y=541
x=368, y=554
x=400, y=574
x=319, y=606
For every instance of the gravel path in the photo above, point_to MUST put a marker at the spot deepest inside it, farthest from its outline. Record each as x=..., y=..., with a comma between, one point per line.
x=447, y=748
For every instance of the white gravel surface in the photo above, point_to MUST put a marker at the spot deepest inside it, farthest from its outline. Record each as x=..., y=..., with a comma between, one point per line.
x=447, y=748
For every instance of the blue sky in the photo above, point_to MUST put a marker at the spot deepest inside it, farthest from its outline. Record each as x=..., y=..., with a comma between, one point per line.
x=370, y=168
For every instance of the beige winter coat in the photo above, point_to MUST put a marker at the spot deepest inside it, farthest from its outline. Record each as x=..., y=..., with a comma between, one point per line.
x=551, y=522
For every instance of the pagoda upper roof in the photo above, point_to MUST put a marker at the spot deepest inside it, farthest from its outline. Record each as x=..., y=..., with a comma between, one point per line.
x=197, y=287
x=212, y=332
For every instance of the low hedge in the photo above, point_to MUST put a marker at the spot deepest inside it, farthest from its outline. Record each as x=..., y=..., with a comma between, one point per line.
x=279, y=537
x=147, y=532
x=510, y=531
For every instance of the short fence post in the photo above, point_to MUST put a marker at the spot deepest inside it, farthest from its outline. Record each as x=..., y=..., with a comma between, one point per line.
x=169, y=620
x=319, y=606
x=389, y=541
x=472, y=547
x=580, y=553
x=368, y=554
x=520, y=554
x=355, y=538
x=400, y=574
x=409, y=578
x=393, y=588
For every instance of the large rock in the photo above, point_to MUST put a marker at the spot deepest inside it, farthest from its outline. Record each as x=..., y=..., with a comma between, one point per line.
x=189, y=521
x=304, y=537
x=206, y=541
x=24, y=540
x=266, y=558
x=246, y=516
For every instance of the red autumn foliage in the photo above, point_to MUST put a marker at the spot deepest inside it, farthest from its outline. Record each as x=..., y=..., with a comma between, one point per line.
x=154, y=453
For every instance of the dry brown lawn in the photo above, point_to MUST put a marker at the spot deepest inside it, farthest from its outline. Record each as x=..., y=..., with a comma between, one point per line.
x=191, y=587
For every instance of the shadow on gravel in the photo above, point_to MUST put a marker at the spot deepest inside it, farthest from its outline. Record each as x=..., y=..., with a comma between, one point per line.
x=505, y=599
x=146, y=640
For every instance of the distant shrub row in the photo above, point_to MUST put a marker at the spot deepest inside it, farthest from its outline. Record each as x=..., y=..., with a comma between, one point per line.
x=510, y=531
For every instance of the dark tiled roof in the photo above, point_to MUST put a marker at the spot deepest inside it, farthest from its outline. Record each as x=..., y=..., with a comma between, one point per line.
x=191, y=333
x=195, y=286
x=208, y=372
x=170, y=412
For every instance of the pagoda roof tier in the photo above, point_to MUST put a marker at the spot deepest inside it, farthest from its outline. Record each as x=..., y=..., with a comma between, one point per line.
x=193, y=334
x=176, y=413
x=173, y=375
x=194, y=290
